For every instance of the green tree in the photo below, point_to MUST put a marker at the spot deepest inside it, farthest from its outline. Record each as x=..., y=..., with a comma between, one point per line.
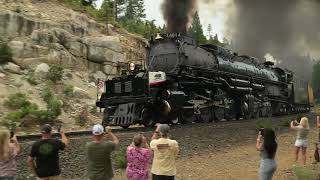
x=111, y=9
x=215, y=41
x=316, y=79
x=196, y=30
x=209, y=30
x=135, y=10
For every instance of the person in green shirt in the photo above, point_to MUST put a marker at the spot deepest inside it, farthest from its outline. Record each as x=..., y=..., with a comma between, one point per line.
x=98, y=153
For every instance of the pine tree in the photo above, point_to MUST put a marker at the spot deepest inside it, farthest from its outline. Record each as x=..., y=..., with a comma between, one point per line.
x=135, y=10
x=111, y=9
x=209, y=30
x=196, y=30
x=216, y=37
x=118, y=8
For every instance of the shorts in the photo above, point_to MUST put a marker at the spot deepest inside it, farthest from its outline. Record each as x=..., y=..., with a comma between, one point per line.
x=301, y=143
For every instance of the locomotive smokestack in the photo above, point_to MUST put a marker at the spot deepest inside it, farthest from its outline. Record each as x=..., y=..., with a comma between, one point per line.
x=178, y=14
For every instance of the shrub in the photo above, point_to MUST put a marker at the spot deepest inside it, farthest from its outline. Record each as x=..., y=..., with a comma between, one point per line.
x=55, y=73
x=120, y=159
x=79, y=120
x=17, y=101
x=47, y=95
x=15, y=117
x=32, y=80
x=5, y=53
x=68, y=90
x=41, y=116
x=54, y=108
x=82, y=118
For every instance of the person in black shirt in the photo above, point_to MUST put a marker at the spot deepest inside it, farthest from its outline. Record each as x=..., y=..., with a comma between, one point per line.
x=44, y=156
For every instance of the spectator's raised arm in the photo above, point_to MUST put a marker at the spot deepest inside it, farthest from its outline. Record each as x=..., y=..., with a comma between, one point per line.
x=64, y=138
x=16, y=145
x=113, y=138
x=292, y=125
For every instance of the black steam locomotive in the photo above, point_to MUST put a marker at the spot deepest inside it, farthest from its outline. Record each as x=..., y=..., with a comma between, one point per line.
x=183, y=83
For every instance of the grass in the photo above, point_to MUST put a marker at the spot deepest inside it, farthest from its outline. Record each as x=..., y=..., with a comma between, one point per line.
x=303, y=173
x=120, y=158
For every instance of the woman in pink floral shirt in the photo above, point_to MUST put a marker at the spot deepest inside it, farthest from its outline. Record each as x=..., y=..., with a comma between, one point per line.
x=138, y=158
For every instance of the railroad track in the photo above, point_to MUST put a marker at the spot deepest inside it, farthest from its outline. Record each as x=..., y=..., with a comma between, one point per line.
x=73, y=134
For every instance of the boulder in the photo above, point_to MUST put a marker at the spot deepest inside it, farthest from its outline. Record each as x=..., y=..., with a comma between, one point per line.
x=42, y=68
x=2, y=75
x=13, y=68
x=104, y=49
x=41, y=71
x=80, y=93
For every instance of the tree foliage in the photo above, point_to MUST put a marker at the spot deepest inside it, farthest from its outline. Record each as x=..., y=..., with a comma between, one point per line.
x=55, y=73
x=135, y=10
x=196, y=31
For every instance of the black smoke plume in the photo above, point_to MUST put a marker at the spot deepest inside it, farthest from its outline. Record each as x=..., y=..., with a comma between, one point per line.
x=178, y=14
x=287, y=29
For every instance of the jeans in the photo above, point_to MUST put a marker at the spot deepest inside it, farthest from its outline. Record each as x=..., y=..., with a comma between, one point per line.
x=267, y=169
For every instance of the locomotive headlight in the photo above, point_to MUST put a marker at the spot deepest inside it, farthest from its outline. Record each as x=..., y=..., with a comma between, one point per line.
x=132, y=66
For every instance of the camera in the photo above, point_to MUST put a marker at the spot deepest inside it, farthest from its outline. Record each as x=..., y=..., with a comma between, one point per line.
x=11, y=134
x=261, y=131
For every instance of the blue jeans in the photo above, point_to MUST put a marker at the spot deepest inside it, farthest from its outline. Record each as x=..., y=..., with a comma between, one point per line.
x=267, y=169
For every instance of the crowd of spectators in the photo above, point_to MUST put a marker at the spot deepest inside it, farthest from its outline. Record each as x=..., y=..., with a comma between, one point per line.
x=161, y=153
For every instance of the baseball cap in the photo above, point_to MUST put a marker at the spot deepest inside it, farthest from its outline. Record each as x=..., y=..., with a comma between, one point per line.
x=97, y=129
x=164, y=128
x=46, y=128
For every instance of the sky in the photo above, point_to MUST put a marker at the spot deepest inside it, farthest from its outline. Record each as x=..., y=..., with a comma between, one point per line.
x=216, y=19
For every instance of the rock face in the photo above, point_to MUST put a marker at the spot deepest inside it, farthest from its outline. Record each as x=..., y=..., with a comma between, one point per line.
x=13, y=68
x=48, y=32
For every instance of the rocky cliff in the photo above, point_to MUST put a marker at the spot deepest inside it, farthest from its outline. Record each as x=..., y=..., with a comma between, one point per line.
x=41, y=32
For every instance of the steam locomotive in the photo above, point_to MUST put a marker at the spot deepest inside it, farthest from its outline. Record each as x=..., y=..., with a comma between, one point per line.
x=184, y=83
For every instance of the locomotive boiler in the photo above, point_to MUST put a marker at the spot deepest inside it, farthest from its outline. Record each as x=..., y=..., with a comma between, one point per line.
x=183, y=82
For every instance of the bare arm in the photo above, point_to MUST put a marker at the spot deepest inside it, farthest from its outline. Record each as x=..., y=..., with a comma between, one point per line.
x=113, y=138
x=15, y=144
x=318, y=121
x=259, y=143
x=156, y=133
x=292, y=126
x=64, y=138
x=31, y=164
